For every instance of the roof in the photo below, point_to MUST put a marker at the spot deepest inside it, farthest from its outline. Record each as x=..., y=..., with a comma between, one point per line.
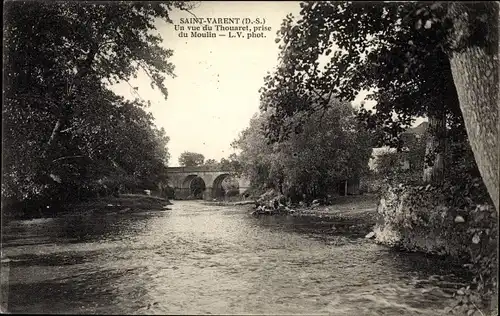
x=420, y=129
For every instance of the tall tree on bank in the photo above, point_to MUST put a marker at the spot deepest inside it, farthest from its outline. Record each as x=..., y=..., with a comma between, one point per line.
x=331, y=148
x=474, y=63
x=190, y=159
x=58, y=116
x=405, y=51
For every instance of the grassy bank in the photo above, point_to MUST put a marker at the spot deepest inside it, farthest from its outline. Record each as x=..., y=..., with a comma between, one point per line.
x=124, y=203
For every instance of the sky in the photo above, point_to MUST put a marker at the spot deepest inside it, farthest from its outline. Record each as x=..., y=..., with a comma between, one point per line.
x=215, y=91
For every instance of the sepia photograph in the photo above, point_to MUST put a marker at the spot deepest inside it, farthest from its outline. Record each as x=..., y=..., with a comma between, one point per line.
x=250, y=158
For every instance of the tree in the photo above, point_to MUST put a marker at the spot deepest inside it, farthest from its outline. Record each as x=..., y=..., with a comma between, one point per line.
x=63, y=128
x=211, y=163
x=231, y=164
x=474, y=64
x=256, y=155
x=230, y=186
x=330, y=149
x=191, y=159
x=402, y=51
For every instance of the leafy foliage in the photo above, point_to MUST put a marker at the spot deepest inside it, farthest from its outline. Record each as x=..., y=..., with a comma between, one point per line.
x=230, y=186
x=210, y=163
x=65, y=134
x=397, y=50
x=231, y=164
x=331, y=148
x=190, y=159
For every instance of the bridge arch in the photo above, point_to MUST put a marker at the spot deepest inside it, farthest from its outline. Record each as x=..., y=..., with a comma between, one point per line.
x=186, y=182
x=218, y=190
x=192, y=187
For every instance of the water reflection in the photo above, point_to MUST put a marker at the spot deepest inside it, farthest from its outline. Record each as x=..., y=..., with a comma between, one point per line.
x=198, y=259
x=76, y=229
x=85, y=292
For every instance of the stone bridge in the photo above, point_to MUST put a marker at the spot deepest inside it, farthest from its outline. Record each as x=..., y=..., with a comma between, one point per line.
x=201, y=182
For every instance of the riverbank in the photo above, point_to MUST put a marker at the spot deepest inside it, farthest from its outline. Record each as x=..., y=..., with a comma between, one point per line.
x=424, y=219
x=348, y=215
x=357, y=207
x=361, y=208
x=124, y=203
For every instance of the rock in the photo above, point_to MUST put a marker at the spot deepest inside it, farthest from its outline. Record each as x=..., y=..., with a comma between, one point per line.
x=125, y=210
x=459, y=219
x=370, y=235
x=476, y=239
x=55, y=178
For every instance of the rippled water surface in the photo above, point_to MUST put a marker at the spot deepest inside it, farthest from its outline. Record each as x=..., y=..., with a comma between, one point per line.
x=199, y=259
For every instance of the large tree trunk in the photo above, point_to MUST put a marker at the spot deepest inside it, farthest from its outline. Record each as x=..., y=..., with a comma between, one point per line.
x=475, y=74
x=435, y=146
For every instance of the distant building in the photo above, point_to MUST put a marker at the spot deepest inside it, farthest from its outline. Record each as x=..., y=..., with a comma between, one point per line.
x=417, y=132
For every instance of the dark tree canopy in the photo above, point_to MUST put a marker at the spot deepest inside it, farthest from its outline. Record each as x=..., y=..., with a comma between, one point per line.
x=191, y=159
x=63, y=129
x=397, y=50
x=434, y=59
x=332, y=147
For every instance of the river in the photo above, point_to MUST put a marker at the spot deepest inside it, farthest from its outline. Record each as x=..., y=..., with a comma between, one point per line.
x=203, y=259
